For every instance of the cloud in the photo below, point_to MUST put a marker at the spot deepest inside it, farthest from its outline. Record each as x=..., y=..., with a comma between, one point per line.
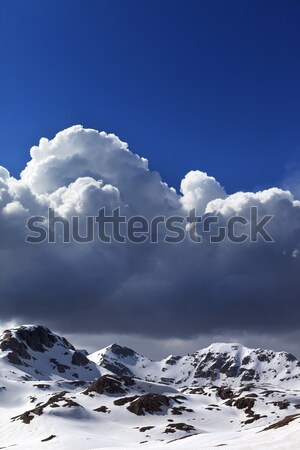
x=198, y=189
x=157, y=290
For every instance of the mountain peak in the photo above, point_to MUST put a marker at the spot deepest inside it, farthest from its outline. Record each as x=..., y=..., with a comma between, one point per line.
x=35, y=337
x=118, y=359
x=40, y=353
x=46, y=383
x=219, y=363
x=122, y=351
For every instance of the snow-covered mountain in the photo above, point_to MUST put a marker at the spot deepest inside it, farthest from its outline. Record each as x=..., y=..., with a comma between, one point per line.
x=43, y=355
x=54, y=396
x=231, y=364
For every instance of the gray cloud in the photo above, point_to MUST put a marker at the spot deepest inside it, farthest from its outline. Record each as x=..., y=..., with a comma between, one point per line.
x=160, y=291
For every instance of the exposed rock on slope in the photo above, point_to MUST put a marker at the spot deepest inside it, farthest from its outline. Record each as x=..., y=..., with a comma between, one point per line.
x=42, y=354
x=109, y=384
x=231, y=364
x=149, y=403
x=224, y=395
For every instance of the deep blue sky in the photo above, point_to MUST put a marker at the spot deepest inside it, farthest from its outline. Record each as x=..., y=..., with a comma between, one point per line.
x=213, y=85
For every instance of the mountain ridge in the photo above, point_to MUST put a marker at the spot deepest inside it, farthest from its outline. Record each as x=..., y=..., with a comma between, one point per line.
x=115, y=398
x=217, y=363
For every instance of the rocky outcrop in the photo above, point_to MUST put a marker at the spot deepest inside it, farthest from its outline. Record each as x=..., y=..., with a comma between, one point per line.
x=36, y=338
x=17, y=349
x=149, y=404
x=109, y=384
x=79, y=359
x=173, y=427
x=53, y=402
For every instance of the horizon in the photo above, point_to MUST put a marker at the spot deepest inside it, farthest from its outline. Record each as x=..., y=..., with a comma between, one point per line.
x=93, y=343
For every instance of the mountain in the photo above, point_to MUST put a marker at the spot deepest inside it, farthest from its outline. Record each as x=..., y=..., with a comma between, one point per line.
x=218, y=364
x=41, y=354
x=58, y=397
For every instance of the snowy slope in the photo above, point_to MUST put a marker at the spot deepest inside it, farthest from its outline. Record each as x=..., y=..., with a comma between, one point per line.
x=53, y=397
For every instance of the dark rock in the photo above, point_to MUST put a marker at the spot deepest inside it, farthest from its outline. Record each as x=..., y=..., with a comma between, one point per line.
x=246, y=360
x=249, y=375
x=76, y=383
x=173, y=360
x=143, y=429
x=127, y=381
x=179, y=398
x=60, y=367
x=49, y=438
x=18, y=348
x=246, y=387
x=79, y=359
x=233, y=371
x=253, y=419
x=224, y=393
x=244, y=403
x=39, y=409
x=290, y=357
x=282, y=423
x=26, y=417
x=197, y=390
x=70, y=403
x=106, y=384
x=178, y=410
x=221, y=363
x=15, y=359
x=37, y=338
x=262, y=357
x=123, y=400
x=20, y=340
x=102, y=409
x=173, y=427
x=282, y=405
x=268, y=392
x=167, y=380
x=124, y=352
x=149, y=403
x=117, y=368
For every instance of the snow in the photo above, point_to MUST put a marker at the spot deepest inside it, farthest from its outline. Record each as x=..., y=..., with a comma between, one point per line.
x=269, y=366
x=217, y=420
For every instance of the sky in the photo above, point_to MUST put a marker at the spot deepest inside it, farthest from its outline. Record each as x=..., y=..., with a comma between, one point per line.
x=119, y=101
x=209, y=84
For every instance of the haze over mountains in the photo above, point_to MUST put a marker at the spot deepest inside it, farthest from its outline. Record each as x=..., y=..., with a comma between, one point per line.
x=56, y=396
